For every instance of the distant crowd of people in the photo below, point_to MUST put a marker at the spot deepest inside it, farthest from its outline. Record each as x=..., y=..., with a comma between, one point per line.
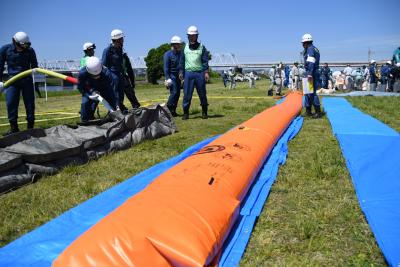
x=383, y=77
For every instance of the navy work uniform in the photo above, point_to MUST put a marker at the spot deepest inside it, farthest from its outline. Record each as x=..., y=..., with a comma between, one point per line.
x=113, y=59
x=103, y=83
x=385, y=75
x=373, y=79
x=171, y=73
x=326, y=73
x=311, y=65
x=129, y=82
x=17, y=62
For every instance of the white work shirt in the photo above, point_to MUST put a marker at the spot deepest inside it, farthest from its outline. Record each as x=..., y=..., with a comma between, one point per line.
x=347, y=71
x=366, y=72
x=294, y=72
x=271, y=73
x=280, y=74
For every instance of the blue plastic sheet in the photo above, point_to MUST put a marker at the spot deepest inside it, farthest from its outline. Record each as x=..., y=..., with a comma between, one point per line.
x=363, y=93
x=43, y=245
x=372, y=152
x=255, y=199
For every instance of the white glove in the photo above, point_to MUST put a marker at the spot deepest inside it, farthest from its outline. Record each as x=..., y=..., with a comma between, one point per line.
x=168, y=82
x=93, y=97
x=1, y=87
x=34, y=71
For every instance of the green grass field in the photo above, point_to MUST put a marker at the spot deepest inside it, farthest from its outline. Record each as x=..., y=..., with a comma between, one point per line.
x=312, y=216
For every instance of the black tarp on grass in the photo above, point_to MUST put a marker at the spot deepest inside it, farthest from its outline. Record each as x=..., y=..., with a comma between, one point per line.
x=25, y=156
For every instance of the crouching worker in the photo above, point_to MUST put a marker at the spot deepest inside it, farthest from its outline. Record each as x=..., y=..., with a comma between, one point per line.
x=96, y=84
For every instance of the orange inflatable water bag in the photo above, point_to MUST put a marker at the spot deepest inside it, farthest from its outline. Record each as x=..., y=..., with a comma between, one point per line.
x=184, y=216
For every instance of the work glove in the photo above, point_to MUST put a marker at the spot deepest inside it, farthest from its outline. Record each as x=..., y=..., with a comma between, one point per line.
x=168, y=82
x=94, y=95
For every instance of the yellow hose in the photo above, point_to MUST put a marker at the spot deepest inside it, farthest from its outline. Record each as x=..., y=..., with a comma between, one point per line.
x=29, y=72
x=51, y=73
x=17, y=77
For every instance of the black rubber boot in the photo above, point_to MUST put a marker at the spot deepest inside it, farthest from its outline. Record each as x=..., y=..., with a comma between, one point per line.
x=308, y=112
x=204, y=113
x=31, y=124
x=185, y=115
x=123, y=109
x=318, y=114
x=173, y=111
x=13, y=128
x=270, y=93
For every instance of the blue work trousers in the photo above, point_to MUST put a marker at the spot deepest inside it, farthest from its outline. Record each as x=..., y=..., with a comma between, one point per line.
x=312, y=99
x=175, y=92
x=13, y=93
x=193, y=79
x=119, y=81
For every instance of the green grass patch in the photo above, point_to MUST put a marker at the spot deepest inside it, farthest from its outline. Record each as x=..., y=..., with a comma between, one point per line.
x=385, y=109
x=312, y=216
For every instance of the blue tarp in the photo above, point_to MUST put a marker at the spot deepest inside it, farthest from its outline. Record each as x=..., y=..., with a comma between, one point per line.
x=372, y=152
x=363, y=93
x=255, y=199
x=43, y=245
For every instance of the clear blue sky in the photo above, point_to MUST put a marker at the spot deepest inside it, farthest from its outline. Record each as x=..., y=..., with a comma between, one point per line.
x=258, y=30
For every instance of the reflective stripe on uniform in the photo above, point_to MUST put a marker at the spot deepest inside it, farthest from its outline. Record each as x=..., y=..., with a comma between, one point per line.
x=311, y=59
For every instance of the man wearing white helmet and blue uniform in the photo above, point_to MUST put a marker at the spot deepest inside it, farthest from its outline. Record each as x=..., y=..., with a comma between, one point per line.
x=194, y=68
x=113, y=60
x=171, y=73
x=20, y=57
x=96, y=84
x=311, y=64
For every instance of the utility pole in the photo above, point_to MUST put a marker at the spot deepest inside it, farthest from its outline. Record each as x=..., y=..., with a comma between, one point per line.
x=370, y=52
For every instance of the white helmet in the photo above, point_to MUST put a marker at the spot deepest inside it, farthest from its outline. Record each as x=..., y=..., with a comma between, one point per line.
x=373, y=61
x=398, y=64
x=192, y=30
x=306, y=38
x=176, y=40
x=21, y=38
x=389, y=62
x=88, y=45
x=116, y=34
x=94, y=66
